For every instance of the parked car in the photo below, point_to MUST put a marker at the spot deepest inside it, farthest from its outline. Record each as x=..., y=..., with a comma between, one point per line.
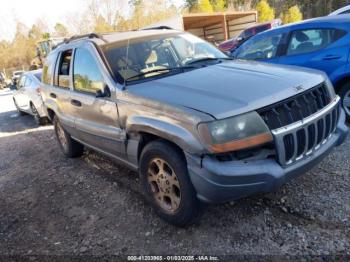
x=341, y=11
x=27, y=97
x=194, y=124
x=321, y=43
x=15, y=77
x=230, y=45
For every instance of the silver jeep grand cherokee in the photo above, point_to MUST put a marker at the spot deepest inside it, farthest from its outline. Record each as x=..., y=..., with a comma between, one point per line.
x=195, y=125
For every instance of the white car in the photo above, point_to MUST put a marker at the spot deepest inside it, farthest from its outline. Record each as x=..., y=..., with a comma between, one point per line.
x=341, y=11
x=27, y=97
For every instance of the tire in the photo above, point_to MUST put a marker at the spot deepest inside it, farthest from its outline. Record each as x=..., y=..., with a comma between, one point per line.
x=21, y=113
x=174, y=201
x=344, y=93
x=69, y=146
x=39, y=120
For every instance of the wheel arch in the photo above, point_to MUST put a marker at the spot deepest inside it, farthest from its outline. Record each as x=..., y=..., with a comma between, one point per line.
x=340, y=83
x=143, y=130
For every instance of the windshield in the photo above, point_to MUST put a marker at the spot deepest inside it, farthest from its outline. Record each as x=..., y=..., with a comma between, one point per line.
x=150, y=57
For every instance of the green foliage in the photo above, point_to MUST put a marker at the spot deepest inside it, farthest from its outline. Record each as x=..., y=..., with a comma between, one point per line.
x=265, y=11
x=219, y=5
x=292, y=15
x=46, y=35
x=60, y=30
x=204, y=6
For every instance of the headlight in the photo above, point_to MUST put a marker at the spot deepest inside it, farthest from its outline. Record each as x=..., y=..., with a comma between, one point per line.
x=235, y=133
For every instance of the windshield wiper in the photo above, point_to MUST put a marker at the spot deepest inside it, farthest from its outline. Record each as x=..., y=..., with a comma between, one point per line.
x=207, y=59
x=160, y=70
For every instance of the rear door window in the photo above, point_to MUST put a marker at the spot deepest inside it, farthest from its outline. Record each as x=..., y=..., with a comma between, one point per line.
x=64, y=69
x=310, y=40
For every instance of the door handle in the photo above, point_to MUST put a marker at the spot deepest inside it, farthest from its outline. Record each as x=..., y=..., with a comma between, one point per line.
x=75, y=102
x=53, y=95
x=331, y=57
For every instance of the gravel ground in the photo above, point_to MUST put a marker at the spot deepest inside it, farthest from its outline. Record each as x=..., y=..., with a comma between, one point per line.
x=51, y=205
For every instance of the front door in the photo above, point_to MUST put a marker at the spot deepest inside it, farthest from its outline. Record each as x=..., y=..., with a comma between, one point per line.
x=96, y=117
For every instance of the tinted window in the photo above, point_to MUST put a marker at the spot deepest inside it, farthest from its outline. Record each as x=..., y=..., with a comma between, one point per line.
x=260, y=48
x=64, y=68
x=305, y=41
x=48, y=69
x=87, y=75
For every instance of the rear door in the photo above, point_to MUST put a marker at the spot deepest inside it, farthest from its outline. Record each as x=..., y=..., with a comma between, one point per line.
x=96, y=117
x=58, y=93
x=316, y=48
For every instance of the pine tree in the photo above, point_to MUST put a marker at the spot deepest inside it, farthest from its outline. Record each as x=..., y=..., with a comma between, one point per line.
x=204, y=6
x=219, y=5
x=292, y=15
x=265, y=12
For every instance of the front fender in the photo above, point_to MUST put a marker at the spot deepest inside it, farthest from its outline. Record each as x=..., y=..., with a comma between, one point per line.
x=183, y=135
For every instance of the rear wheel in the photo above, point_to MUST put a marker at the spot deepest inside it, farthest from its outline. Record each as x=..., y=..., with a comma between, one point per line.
x=166, y=184
x=69, y=146
x=39, y=120
x=344, y=93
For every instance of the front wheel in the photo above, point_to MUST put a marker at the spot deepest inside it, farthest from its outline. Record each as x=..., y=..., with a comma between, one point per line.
x=166, y=183
x=69, y=146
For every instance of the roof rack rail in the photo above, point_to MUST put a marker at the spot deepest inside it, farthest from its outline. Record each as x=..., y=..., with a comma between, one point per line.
x=158, y=27
x=91, y=35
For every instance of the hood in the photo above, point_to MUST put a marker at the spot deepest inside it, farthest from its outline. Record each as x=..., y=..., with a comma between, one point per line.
x=229, y=88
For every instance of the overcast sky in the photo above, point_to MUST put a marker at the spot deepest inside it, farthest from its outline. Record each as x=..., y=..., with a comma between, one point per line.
x=29, y=11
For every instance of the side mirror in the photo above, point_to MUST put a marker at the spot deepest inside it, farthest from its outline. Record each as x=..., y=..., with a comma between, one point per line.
x=239, y=39
x=106, y=92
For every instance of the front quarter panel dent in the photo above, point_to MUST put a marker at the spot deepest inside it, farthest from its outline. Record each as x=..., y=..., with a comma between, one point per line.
x=173, y=132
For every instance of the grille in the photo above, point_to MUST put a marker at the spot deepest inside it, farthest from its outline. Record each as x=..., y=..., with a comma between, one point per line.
x=302, y=138
x=295, y=108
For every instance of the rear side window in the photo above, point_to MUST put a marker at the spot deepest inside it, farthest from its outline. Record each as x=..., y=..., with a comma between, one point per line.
x=310, y=40
x=87, y=76
x=49, y=68
x=64, y=69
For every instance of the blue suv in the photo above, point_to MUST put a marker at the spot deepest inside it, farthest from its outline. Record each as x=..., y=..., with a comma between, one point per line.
x=320, y=43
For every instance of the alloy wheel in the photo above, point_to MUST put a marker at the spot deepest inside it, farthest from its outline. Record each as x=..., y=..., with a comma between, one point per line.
x=164, y=185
